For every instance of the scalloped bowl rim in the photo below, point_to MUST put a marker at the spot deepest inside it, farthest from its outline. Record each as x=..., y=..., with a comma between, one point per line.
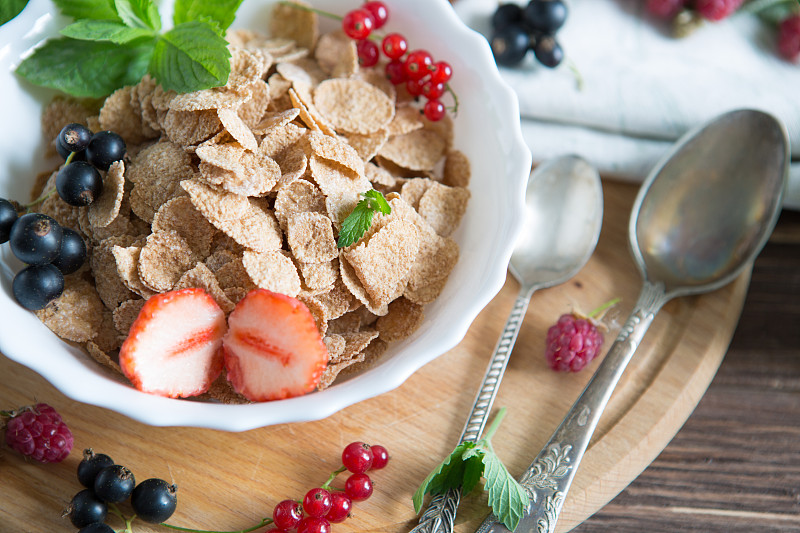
x=481, y=267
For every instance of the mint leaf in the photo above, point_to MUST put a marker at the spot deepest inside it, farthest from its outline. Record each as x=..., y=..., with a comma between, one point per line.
x=10, y=9
x=90, y=69
x=190, y=57
x=88, y=9
x=104, y=30
x=434, y=478
x=506, y=497
x=139, y=13
x=222, y=12
x=359, y=221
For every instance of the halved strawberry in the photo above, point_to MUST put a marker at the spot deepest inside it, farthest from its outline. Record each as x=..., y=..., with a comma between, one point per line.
x=273, y=349
x=173, y=347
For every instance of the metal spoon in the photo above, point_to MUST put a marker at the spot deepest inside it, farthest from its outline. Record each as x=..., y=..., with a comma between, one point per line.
x=700, y=218
x=564, y=212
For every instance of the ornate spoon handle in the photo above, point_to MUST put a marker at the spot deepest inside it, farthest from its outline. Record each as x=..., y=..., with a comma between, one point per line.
x=550, y=475
x=440, y=514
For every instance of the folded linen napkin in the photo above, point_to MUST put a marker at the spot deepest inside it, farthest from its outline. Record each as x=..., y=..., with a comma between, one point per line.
x=642, y=88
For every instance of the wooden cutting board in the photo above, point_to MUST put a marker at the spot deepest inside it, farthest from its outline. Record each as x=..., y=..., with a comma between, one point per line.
x=230, y=481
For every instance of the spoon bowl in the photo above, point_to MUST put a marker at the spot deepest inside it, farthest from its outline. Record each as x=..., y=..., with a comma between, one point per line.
x=710, y=205
x=563, y=215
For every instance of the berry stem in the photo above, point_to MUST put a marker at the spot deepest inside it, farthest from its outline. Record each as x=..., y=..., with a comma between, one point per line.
x=327, y=484
x=264, y=522
x=454, y=107
x=575, y=72
x=596, y=311
x=112, y=507
x=312, y=10
x=44, y=196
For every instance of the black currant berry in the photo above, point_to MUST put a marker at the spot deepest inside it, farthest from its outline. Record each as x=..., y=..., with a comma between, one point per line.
x=36, y=286
x=91, y=464
x=548, y=51
x=510, y=45
x=546, y=16
x=105, y=148
x=114, y=484
x=97, y=527
x=79, y=183
x=64, y=152
x=8, y=215
x=35, y=239
x=154, y=500
x=72, y=253
x=506, y=15
x=85, y=509
x=74, y=137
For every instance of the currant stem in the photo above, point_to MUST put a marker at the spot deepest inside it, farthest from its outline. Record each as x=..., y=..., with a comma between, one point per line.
x=44, y=196
x=312, y=10
x=264, y=522
x=575, y=72
x=128, y=521
x=454, y=107
x=327, y=484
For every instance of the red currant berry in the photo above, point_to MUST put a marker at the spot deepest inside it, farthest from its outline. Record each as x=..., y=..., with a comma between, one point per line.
x=357, y=457
x=380, y=456
x=340, y=510
x=358, y=24
x=313, y=524
x=368, y=53
x=317, y=502
x=379, y=12
x=415, y=87
x=276, y=530
x=358, y=487
x=394, y=46
x=442, y=72
x=287, y=514
x=417, y=64
x=395, y=72
x=432, y=91
x=434, y=110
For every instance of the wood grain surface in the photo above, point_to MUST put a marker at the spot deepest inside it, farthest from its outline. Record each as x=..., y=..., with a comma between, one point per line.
x=230, y=481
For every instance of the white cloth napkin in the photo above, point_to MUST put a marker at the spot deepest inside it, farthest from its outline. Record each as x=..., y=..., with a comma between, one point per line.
x=642, y=89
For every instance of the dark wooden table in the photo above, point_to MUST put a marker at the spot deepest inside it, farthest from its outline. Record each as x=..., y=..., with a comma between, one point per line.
x=735, y=465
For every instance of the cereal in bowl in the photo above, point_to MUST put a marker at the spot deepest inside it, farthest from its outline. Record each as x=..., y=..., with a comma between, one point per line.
x=233, y=201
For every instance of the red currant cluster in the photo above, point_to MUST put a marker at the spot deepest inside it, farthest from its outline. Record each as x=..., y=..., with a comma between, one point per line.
x=416, y=69
x=323, y=505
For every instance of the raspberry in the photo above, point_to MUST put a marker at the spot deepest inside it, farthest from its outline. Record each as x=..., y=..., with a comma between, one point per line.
x=37, y=431
x=665, y=9
x=572, y=343
x=717, y=9
x=789, y=38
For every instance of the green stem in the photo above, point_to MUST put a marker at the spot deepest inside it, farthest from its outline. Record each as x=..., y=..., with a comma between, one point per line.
x=44, y=196
x=575, y=72
x=128, y=521
x=494, y=425
x=596, y=311
x=264, y=522
x=312, y=10
x=327, y=484
x=454, y=108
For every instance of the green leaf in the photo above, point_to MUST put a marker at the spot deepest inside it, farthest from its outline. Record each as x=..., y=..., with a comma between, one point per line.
x=10, y=9
x=139, y=13
x=473, y=471
x=104, y=30
x=191, y=57
x=434, y=479
x=222, y=12
x=86, y=69
x=506, y=497
x=359, y=221
x=88, y=9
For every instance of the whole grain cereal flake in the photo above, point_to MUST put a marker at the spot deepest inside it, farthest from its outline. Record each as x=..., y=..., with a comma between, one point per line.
x=273, y=271
x=310, y=237
x=163, y=260
x=77, y=314
x=180, y=215
x=354, y=106
x=105, y=209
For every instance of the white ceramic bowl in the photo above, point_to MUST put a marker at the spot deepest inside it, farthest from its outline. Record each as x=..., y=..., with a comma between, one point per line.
x=487, y=130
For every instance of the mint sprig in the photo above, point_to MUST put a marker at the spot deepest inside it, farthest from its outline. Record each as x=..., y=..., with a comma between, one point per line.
x=113, y=43
x=10, y=9
x=466, y=465
x=360, y=219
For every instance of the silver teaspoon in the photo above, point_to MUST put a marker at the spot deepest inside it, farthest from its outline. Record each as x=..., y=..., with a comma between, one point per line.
x=564, y=212
x=700, y=218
